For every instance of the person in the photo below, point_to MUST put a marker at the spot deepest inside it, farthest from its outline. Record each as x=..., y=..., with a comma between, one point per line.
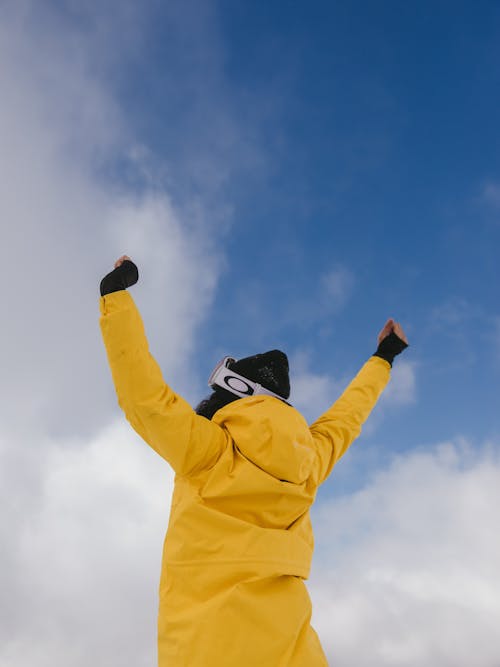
x=247, y=468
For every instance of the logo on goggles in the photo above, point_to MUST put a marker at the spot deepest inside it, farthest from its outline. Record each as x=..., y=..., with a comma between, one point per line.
x=241, y=386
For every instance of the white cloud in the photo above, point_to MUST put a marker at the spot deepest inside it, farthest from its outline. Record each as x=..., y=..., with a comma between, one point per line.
x=64, y=224
x=81, y=585
x=84, y=506
x=407, y=571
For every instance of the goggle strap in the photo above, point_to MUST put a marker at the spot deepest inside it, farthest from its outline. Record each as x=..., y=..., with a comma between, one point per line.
x=237, y=384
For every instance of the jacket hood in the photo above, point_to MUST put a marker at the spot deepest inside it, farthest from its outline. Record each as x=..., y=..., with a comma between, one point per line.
x=271, y=434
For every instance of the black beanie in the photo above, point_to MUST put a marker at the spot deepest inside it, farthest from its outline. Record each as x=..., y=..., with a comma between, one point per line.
x=269, y=369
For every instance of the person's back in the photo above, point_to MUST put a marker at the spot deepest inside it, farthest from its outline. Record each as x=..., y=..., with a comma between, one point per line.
x=239, y=542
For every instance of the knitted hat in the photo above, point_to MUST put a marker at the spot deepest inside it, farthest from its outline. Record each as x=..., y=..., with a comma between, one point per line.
x=269, y=369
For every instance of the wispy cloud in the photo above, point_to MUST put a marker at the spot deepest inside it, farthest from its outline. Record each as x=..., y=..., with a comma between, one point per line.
x=312, y=393
x=496, y=337
x=402, y=389
x=457, y=321
x=406, y=571
x=338, y=283
x=452, y=314
x=491, y=195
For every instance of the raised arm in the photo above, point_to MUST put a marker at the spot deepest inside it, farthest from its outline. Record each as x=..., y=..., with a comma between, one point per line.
x=160, y=416
x=339, y=426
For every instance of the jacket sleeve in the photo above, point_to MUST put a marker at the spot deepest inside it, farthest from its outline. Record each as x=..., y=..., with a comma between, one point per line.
x=339, y=426
x=189, y=442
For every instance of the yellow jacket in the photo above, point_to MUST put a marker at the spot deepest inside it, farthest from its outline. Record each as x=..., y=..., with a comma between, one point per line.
x=239, y=542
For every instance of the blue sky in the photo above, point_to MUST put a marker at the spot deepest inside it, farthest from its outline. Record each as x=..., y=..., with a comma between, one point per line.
x=362, y=138
x=285, y=175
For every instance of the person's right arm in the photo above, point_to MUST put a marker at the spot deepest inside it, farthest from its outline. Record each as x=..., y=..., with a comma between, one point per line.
x=341, y=424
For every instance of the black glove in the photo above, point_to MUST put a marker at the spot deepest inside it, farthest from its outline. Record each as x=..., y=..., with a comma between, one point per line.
x=126, y=275
x=389, y=347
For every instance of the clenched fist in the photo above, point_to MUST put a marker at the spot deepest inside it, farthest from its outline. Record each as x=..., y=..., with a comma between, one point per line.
x=391, y=341
x=389, y=327
x=125, y=274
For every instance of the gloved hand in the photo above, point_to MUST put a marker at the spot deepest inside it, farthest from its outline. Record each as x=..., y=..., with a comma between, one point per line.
x=391, y=341
x=125, y=274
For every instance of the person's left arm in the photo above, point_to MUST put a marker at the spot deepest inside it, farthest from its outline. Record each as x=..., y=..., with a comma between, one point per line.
x=161, y=417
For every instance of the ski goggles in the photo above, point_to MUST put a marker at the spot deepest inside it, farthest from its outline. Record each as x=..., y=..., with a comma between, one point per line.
x=223, y=377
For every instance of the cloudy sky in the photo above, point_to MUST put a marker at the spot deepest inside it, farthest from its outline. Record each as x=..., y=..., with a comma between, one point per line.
x=284, y=175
